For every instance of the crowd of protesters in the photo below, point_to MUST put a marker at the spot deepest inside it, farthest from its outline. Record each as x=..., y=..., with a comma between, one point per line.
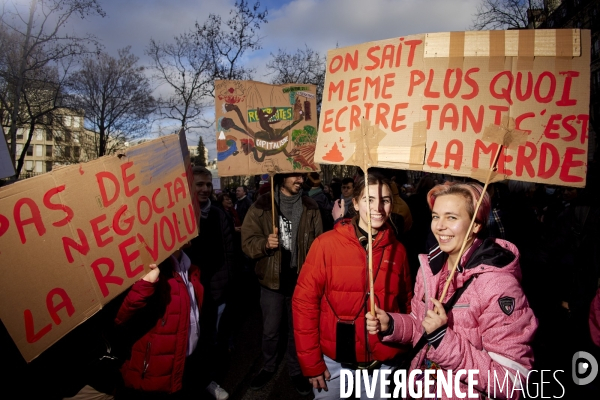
x=533, y=247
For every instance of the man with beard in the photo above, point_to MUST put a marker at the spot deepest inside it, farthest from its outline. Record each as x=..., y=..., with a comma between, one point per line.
x=279, y=257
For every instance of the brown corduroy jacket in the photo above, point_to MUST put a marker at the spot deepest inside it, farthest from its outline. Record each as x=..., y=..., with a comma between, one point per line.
x=257, y=226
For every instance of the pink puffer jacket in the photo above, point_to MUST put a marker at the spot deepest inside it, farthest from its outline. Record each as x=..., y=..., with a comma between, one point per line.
x=491, y=326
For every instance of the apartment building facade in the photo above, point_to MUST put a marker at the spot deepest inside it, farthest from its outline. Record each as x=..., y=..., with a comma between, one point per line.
x=60, y=139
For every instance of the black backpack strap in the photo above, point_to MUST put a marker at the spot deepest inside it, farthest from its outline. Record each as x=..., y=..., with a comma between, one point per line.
x=450, y=303
x=447, y=306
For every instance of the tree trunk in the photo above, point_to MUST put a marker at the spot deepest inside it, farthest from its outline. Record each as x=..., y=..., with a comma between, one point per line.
x=17, y=94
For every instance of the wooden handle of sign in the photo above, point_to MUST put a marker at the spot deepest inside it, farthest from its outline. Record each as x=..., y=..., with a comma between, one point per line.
x=466, y=239
x=273, y=203
x=370, y=246
x=369, y=234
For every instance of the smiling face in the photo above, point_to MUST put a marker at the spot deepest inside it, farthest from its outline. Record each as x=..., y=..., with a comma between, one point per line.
x=292, y=184
x=380, y=203
x=450, y=223
x=203, y=187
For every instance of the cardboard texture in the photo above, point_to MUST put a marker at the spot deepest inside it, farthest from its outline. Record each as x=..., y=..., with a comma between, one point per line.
x=6, y=166
x=264, y=128
x=444, y=101
x=73, y=239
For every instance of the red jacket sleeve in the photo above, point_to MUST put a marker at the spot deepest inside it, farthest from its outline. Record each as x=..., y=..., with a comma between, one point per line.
x=136, y=299
x=306, y=311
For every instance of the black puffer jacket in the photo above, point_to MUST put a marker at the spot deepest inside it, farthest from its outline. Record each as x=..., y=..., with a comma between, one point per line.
x=212, y=251
x=325, y=207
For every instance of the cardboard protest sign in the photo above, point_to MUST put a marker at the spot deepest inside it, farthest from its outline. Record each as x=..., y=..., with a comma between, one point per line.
x=438, y=102
x=6, y=166
x=265, y=128
x=73, y=239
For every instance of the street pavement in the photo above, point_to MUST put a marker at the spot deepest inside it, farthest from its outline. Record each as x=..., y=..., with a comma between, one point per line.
x=246, y=361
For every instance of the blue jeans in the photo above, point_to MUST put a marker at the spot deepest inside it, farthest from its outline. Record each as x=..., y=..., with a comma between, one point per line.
x=273, y=305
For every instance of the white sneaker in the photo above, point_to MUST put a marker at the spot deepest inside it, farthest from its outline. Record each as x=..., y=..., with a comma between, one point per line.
x=217, y=391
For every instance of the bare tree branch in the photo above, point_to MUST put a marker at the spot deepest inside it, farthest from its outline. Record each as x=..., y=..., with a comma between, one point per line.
x=31, y=40
x=304, y=66
x=508, y=14
x=116, y=97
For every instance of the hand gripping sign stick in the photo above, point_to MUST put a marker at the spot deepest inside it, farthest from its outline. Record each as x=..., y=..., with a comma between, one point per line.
x=464, y=243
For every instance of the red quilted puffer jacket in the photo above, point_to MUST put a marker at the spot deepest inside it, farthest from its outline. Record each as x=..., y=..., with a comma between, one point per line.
x=334, y=280
x=160, y=313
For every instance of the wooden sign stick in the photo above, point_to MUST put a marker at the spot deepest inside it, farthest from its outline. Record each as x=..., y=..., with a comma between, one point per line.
x=273, y=202
x=464, y=244
x=369, y=234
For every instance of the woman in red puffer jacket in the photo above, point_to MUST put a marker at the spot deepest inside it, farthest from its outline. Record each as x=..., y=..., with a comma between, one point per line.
x=162, y=313
x=332, y=293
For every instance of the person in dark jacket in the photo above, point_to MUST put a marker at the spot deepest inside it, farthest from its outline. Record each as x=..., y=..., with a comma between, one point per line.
x=243, y=201
x=279, y=257
x=314, y=190
x=212, y=250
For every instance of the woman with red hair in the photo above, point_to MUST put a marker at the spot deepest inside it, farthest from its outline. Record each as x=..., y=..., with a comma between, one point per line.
x=484, y=322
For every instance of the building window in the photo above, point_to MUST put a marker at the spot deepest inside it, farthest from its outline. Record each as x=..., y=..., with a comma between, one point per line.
x=48, y=150
x=48, y=166
x=38, y=167
x=48, y=134
x=76, y=137
x=39, y=150
x=76, y=152
x=67, y=151
x=28, y=165
x=67, y=120
x=19, y=134
x=19, y=148
x=76, y=122
x=67, y=136
x=30, y=150
x=39, y=135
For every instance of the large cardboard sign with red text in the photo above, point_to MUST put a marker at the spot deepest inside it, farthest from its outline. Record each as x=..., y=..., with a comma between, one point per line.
x=438, y=102
x=73, y=239
x=264, y=128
